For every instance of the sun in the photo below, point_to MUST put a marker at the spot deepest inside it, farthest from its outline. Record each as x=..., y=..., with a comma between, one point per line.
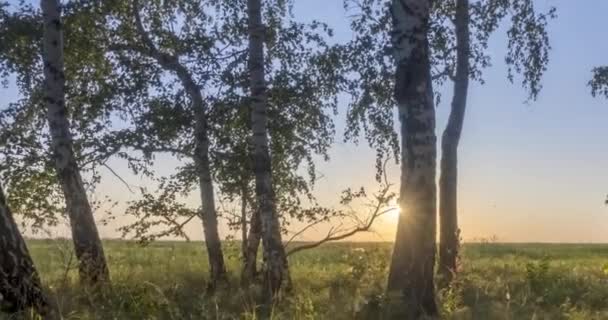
x=393, y=215
x=394, y=211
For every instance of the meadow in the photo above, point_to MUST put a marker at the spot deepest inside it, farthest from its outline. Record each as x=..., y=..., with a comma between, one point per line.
x=167, y=280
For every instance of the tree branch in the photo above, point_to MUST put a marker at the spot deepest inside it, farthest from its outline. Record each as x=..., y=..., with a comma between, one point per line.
x=118, y=176
x=167, y=61
x=336, y=234
x=302, y=231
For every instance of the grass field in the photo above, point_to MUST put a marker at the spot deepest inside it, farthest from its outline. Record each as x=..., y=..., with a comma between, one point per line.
x=166, y=280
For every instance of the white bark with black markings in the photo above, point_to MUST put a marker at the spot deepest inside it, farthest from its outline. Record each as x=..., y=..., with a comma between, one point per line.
x=19, y=281
x=201, y=153
x=275, y=260
x=88, y=247
x=448, y=181
x=412, y=264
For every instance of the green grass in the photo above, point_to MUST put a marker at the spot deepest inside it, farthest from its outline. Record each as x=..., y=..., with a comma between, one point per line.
x=167, y=280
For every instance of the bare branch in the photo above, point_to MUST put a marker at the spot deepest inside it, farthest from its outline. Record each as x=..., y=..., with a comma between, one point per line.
x=118, y=176
x=339, y=233
x=297, y=234
x=177, y=227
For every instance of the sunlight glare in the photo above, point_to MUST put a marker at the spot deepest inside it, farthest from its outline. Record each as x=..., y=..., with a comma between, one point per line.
x=393, y=214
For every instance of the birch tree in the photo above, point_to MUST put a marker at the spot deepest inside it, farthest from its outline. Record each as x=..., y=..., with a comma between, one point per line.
x=411, y=271
x=301, y=85
x=200, y=154
x=527, y=54
x=275, y=259
x=599, y=85
x=91, y=101
x=20, y=286
x=87, y=244
x=458, y=37
x=448, y=179
x=302, y=77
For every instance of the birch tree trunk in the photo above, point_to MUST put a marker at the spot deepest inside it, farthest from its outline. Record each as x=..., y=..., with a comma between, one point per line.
x=87, y=244
x=411, y=270
x=244, y=223
x=201, y=156
x=448, y=180
x=275, y=261
x=203, y=168
x=251, y=253
x=19, y=282
x=209, y=214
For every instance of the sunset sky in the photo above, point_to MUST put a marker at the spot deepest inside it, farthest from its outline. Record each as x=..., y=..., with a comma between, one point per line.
x=528, y=172
x=535, y=172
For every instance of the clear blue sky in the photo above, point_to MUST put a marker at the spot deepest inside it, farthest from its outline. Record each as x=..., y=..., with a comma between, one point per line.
x=536, y=172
